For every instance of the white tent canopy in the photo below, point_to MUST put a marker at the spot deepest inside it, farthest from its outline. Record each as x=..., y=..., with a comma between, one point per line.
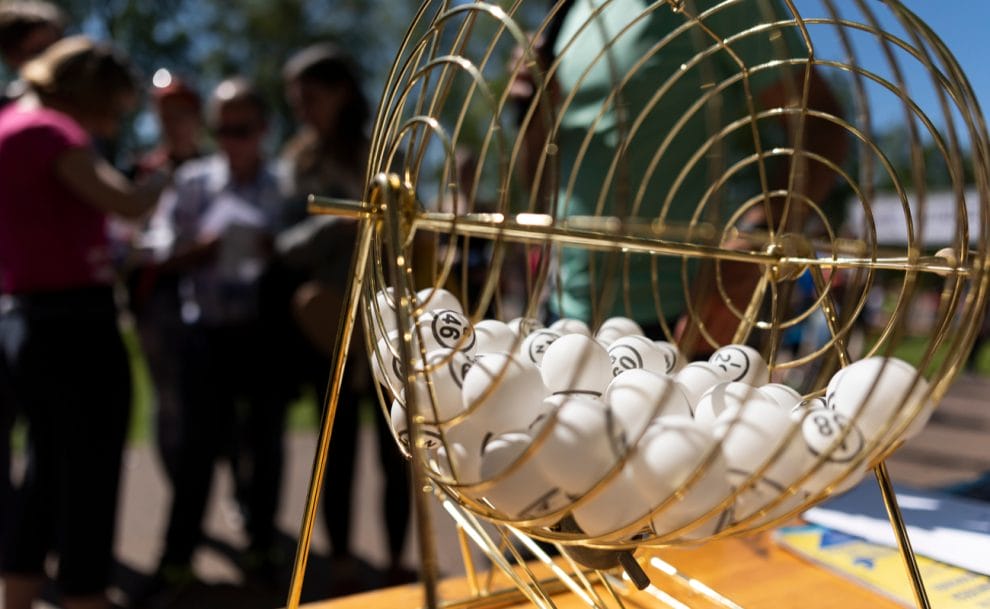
x=940, y=224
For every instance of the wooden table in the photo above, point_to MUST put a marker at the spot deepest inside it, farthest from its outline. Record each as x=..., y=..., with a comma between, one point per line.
x=753, y=572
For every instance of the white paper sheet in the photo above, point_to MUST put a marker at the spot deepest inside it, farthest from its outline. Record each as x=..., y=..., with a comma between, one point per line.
x=949, y=529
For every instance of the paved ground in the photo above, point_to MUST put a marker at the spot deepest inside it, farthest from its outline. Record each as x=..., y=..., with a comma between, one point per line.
x=952, y=448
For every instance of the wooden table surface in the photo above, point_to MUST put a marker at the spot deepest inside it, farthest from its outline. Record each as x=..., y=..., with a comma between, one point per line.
x=752, y=572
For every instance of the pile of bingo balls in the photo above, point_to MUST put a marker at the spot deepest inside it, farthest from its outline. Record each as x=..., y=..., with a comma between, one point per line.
x=618, y=431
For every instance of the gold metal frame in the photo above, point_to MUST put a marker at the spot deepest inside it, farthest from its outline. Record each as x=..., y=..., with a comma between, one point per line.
x=422, y=93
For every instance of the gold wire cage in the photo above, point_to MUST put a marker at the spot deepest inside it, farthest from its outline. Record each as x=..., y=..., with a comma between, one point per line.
x=721, y=171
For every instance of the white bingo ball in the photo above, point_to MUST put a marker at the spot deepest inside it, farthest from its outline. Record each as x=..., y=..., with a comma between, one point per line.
x=832, y=384
x=429, y=434
x=494, y=336
x=750, y=438
x=799, y=410
x=741, y=363
x=535, y=346
x=386, y=365
x=502, y=393
x=436, y=299
x=636, y=397
x=524, y=326
x=673, y=449
x=383, y=315
x=614, y=328
x=576, y=364
x=879, y=393
x=580, y=446
x=444, y=369
x=784, y=395
x=672, y=355
x=455, y=463
x=568, y=325
x=696, y=378
x=446, y=329
x=723, y=396
x=522, y=492
x=632, y=352
x=828, y=433
x=614, y=506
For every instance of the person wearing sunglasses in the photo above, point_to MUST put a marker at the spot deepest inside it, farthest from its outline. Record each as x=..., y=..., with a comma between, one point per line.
x=221, y=212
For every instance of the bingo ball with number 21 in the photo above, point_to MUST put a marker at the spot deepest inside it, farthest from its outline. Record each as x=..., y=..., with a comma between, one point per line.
x=741, y=364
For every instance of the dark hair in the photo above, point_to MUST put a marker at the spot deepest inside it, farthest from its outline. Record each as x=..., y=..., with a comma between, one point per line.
x=235, y=90
x=82, y=74
x=174, y=87
x=19, y=19
x=325, y=65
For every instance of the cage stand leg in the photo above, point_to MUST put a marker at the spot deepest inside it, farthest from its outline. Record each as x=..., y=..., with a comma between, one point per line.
x=900, y=532
x=345, y=331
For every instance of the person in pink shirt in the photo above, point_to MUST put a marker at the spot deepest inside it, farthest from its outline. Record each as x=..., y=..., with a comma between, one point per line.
x=68, y=368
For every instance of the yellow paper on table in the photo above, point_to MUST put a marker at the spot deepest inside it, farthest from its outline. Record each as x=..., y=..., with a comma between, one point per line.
x=882, y=569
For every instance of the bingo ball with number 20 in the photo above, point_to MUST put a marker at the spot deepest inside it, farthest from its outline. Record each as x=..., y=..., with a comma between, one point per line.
x=630, y=352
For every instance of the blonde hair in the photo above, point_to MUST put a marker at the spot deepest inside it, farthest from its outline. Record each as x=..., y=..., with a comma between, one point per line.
x=82, y=74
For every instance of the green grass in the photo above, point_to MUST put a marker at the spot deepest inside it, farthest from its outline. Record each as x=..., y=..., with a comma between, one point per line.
x=912, y=348
x=302, y=414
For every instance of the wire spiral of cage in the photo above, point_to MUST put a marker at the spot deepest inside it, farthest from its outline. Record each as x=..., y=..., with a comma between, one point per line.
x=644, y=160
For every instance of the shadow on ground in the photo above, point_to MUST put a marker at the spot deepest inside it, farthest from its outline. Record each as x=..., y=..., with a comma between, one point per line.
x=260, y=589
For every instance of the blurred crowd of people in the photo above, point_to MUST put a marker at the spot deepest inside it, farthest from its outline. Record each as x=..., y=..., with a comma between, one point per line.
x=233, y=286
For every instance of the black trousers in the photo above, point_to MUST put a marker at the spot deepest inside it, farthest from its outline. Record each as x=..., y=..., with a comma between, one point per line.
x=225, y=371
x=338, y=487
x=6, y=427
x=70, y=376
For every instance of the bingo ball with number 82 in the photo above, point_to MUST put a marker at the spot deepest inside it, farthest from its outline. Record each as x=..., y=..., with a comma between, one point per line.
x=831, y=434
x=446, y=329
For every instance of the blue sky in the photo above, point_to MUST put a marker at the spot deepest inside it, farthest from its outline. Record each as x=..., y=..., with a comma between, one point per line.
x=963, y=25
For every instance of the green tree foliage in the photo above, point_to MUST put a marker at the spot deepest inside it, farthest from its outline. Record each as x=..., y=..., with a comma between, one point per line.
x=207, y=40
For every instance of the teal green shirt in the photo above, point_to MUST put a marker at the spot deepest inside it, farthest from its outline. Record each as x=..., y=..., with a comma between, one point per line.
x=639, y=73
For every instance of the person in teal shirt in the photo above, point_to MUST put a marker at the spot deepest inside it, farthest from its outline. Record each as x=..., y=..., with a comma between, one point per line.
x=654, y=124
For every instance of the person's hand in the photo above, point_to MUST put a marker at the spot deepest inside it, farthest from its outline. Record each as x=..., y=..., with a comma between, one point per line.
x=712, y=310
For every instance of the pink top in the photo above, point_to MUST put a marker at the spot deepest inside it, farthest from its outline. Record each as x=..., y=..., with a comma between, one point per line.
x=50, y=239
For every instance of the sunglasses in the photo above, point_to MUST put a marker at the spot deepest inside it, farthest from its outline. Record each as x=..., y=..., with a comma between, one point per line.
x=236, y=131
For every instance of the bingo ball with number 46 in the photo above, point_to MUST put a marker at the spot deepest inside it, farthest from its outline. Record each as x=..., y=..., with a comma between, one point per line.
x=446, y=329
